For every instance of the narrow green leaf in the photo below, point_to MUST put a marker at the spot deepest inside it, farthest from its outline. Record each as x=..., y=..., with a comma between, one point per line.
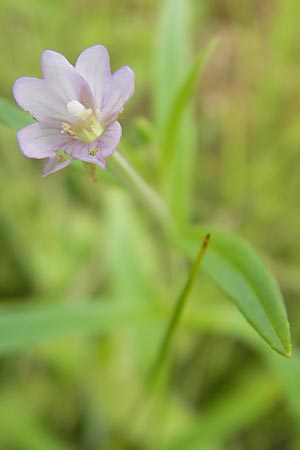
x=23, y=328
x=235, y=268
x=171, y=57
x=178, y=139
x=178, y=309
x=182, y=99
x=171, y=62
x=12, y=116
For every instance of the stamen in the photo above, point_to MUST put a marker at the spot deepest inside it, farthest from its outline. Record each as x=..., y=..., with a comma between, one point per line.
x=66, y=129
x=94, y=151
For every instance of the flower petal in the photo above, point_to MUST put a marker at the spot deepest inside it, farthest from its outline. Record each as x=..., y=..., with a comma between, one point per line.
x=94, y=65
x=83, y=151
x=64, y=79
x=39, y=141
x=119, y=90
x=98, y=160
x=37, y=97
x=54, y=164
x=110, y=139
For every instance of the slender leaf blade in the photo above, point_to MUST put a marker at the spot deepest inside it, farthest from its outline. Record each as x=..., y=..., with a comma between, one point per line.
x=171, y=56
x=22, y=328
x=182, y=99
x=171, y=62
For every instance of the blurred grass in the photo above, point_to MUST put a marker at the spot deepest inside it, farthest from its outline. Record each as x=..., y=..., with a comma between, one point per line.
x=235, y=165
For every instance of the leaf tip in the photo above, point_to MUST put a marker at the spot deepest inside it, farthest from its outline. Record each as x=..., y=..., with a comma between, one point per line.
x=285, y=351
x=289, y=351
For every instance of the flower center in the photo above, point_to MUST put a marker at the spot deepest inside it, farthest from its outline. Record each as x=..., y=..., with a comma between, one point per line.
x=87, y=128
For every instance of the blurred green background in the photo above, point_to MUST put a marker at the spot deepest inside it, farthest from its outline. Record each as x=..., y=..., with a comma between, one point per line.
x=76, y=380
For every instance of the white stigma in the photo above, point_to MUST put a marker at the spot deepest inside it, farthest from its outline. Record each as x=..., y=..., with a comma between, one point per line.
x=77, y=110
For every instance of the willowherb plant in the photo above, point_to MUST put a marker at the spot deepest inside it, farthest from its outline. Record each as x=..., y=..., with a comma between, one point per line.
x=77, y=110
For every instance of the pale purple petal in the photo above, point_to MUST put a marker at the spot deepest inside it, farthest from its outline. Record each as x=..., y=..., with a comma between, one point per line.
x=39, y=141
x=65, y=80
x=82, y=151
x=110, y=139
x=94, y=65
x=71, y=145
x=54, y=164
x=37, y=97
x=117, y=93
x=98, y=160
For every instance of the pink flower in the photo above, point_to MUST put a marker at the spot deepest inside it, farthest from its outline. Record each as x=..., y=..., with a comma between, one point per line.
x=76, y=108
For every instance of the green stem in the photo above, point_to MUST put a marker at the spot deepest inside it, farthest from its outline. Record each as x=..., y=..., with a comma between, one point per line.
x=140, y=188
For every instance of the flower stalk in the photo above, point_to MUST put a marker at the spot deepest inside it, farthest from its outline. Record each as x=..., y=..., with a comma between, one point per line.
x=140, y=188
